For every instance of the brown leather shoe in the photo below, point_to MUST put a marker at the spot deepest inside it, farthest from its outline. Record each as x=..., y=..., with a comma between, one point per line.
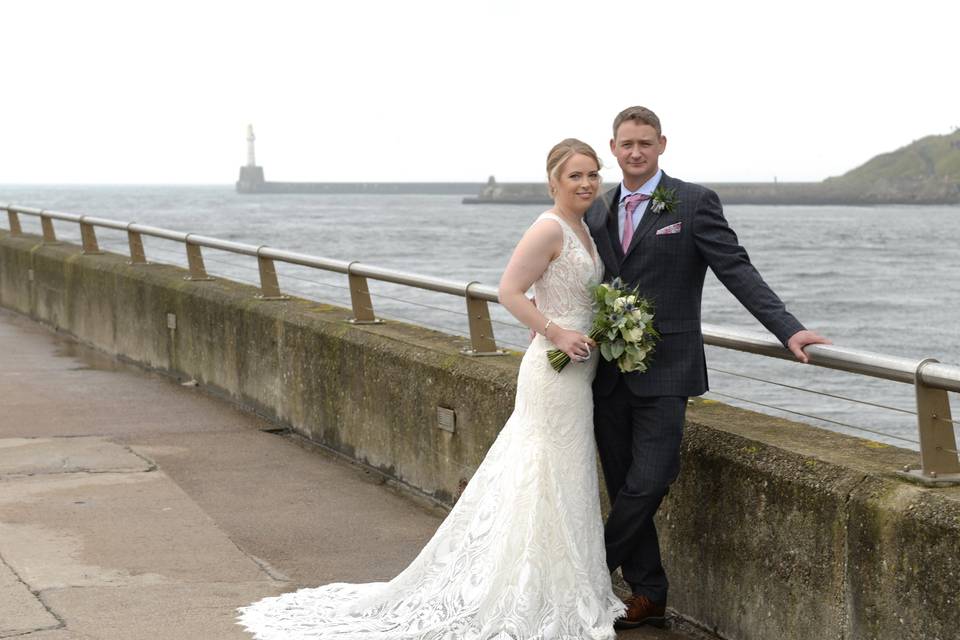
x=640, y=611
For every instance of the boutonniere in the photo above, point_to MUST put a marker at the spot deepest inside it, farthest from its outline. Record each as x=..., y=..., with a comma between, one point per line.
x=664, y=200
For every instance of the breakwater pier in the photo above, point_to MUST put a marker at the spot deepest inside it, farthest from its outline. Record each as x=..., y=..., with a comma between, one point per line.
x=775, y=529
x=922, y=173
x=754, y=193
x=252, y=180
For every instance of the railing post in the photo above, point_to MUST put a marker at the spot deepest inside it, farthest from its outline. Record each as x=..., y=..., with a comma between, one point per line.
x=49, y=235
x=938, y=443
x=15, y=228
x=88, y=237
x=360, y=299
x=135, y=241
x=482, y=342
x=195, y=262
x=269, y=286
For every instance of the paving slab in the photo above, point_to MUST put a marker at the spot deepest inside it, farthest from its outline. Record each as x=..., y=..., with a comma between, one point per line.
x=197, y=611
x=33, y=456
x=56, y=634
x=112, y=529
x=20, y=610
x=312, y=518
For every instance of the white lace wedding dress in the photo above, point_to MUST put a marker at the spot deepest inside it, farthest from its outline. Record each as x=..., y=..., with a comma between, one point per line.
x=521, y=555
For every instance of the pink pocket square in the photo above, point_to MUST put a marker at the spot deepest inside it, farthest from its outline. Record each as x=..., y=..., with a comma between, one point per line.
x=673, y=228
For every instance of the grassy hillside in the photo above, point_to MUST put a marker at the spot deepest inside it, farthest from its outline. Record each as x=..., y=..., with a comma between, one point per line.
x=931, y=158
x=924, y=171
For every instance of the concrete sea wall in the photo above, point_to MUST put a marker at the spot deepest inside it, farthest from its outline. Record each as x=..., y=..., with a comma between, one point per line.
x=774, y=530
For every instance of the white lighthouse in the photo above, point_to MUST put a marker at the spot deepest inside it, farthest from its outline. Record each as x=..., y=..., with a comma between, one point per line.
x=251, y=176
x=251, y=157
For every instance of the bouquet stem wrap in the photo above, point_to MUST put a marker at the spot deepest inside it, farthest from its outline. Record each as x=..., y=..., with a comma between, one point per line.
x=558, y=359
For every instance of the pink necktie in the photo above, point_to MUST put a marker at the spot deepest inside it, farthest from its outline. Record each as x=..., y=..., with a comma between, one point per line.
x=631, y=203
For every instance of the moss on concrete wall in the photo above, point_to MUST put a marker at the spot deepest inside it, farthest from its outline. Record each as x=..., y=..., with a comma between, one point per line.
x=775, y=529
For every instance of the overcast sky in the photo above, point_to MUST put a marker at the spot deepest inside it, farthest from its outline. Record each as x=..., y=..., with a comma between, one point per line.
x=161, y=92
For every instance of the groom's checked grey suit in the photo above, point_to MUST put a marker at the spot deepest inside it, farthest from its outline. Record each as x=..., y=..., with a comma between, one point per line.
x=639, y=416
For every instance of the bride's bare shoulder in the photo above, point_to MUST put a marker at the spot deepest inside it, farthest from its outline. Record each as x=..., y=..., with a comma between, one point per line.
x=544, y=236
x=547, y=225
x=550, y=216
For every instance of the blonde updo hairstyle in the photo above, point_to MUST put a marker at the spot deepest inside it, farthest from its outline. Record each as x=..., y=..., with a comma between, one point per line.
x=563, y=151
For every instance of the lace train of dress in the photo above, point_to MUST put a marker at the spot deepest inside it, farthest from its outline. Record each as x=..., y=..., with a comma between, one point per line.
x=521, y=555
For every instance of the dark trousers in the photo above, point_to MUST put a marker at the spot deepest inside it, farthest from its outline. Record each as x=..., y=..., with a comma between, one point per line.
x=639, y=443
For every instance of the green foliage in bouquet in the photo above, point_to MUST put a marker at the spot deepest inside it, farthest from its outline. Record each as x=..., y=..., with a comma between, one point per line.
x=622, y=328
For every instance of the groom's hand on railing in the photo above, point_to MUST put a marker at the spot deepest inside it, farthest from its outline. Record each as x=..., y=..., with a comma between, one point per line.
x=801, y=339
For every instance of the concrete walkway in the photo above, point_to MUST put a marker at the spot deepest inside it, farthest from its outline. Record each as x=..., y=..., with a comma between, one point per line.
x=133, y=507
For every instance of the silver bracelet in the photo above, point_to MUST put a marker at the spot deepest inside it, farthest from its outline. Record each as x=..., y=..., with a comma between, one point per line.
x=547, y=326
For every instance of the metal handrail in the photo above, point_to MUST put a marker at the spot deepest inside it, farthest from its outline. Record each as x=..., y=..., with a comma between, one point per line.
x=931, y=379
x=867, y=363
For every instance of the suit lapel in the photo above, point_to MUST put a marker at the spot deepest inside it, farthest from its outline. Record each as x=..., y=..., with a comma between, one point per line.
x=608, y=246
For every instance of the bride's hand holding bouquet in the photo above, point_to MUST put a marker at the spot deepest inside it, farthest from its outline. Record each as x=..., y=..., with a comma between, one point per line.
x=570, y=344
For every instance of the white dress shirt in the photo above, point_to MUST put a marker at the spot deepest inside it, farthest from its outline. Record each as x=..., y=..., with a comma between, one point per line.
x=646, y=189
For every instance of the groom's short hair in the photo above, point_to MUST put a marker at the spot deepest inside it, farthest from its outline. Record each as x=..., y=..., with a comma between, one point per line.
x=637, y=114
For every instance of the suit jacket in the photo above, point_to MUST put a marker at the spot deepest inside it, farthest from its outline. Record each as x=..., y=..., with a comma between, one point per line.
x=669, y=269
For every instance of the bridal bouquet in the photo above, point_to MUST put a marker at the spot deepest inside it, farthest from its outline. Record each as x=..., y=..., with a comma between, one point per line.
x=622, y=327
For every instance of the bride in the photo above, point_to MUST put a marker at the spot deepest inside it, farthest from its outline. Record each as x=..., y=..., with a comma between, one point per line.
x=521, y=555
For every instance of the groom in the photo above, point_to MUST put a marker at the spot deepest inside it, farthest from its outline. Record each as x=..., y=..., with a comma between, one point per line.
x=664, y=245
